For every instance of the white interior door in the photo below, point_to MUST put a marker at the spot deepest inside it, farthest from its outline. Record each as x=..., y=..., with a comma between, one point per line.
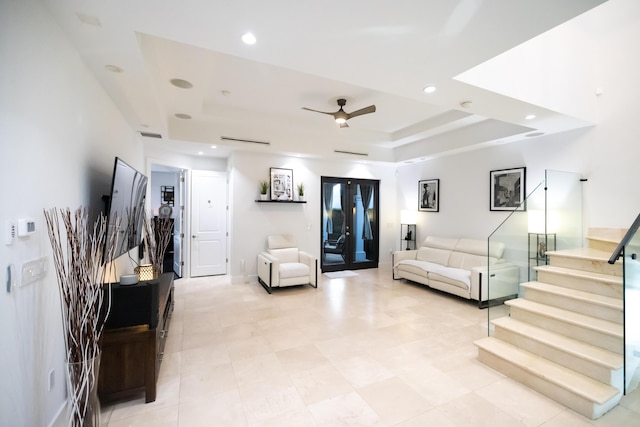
x=208, y=223
x=178, y=227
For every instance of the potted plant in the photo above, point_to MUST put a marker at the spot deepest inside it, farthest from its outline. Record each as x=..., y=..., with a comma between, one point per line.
x=264, y=188
x=300, y=188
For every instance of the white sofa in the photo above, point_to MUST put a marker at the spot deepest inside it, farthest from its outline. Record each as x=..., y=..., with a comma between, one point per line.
x=460, y=267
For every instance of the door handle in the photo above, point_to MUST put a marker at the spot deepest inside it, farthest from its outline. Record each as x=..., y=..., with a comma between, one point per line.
x=194, y=236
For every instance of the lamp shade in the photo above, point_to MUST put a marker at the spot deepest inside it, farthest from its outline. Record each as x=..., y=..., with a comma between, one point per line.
x=408, y=217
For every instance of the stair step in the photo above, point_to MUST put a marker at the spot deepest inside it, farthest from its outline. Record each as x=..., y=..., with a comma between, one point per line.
x=598, y=283
x=600, y=306
x=585, y=395
x=605, y=238
x=592, y=361
x=585, y=259
x=598, y=332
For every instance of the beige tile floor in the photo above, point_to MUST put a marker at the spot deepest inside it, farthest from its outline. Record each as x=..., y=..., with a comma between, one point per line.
x=357, y=351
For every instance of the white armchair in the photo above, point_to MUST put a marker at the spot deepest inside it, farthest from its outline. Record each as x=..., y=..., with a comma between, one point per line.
x=284, y=265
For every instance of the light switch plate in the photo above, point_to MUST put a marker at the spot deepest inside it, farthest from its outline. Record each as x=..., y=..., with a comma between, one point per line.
x=33, y=270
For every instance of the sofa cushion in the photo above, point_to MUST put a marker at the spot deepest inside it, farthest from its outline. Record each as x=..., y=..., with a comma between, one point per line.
x=439, y=256
x=412, y=266
x=285, y=255
x=468, y=261
x=459, y=278
x=293, y=269
x=440, y=243
x=479, y=247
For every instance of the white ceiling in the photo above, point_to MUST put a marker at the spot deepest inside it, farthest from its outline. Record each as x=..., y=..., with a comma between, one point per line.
x=309, y=54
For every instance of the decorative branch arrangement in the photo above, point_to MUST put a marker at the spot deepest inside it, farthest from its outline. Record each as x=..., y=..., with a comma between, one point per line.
x=158, y=233
x=80, y=272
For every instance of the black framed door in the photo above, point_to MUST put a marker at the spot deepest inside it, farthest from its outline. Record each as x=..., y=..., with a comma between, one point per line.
x=350, y=225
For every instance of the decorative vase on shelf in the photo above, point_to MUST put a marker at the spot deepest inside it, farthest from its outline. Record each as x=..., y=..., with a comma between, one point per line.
x=301, y=198
x=83, y=404
x=263, y=197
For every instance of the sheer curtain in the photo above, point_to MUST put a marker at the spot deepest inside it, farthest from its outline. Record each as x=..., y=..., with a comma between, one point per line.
x=366, y=191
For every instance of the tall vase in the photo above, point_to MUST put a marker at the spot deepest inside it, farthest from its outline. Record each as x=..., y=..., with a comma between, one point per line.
x=83, y=404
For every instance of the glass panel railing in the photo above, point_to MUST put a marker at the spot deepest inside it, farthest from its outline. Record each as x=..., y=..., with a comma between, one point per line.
x=552, y=219
x=631, y=283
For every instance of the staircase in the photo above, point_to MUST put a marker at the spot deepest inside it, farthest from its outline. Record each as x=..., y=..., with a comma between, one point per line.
x=564, y=335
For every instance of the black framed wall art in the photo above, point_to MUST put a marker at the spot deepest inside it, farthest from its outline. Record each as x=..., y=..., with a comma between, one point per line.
x=429, y=195
x=507, y=188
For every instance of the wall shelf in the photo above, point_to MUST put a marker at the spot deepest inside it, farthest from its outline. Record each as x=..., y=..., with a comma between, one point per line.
x=281, y=201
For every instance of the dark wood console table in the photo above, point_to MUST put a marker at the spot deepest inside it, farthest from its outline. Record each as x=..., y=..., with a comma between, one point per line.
x=134, y=337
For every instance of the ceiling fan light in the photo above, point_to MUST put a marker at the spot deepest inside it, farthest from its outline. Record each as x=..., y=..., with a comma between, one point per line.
x=340, y=120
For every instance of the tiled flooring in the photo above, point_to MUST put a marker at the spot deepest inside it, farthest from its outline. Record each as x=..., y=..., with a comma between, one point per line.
x=363, y=350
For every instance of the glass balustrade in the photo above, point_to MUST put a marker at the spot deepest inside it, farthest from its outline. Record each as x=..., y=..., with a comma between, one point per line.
x=551, y=220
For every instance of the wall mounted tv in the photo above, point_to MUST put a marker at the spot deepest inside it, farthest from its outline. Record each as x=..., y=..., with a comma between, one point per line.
x=126, y=207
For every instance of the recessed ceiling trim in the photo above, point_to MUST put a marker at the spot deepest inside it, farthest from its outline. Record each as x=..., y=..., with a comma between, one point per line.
x=350, y=152
x=228, y=138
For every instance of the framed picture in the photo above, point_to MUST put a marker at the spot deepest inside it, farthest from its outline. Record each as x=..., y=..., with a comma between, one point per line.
x=508, y=189
x=429, y=195
x=281, y=184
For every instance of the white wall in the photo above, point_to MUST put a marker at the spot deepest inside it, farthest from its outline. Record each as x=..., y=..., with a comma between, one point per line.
x=608, y=154
x=59, y=134
x=252, y=222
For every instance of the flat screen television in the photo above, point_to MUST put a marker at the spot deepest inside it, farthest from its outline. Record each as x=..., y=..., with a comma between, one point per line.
x=125, y=208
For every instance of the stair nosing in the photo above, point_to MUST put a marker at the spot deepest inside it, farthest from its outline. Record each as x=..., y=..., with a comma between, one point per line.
x=582, y=274
x=598, y=358
x=578, y=295
x=582, y=253
x=609, y=390
x=603, y=326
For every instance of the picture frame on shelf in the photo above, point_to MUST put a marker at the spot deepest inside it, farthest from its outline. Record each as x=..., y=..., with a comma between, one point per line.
x=508, y=189
x=429, y=195
x=281, y=181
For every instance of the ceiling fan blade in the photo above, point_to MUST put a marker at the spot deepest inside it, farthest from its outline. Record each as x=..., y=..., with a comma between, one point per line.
x=365, y=110
x=344, y=125
x=317, y=111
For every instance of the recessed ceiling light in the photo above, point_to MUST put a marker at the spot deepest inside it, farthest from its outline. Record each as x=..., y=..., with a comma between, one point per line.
x=183, y=116
x=200, y=153
x=182, y=84
x=248, y=38
x=530, y=117
x=466, y=104
x=429, y=89
x=214, y=147
x=113, y=68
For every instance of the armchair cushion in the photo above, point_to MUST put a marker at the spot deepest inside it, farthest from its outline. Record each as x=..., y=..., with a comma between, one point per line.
x=285, y=255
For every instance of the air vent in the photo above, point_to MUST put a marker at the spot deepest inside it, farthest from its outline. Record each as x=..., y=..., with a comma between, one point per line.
x=151, y=135
x=249, y=141
x=350, y=152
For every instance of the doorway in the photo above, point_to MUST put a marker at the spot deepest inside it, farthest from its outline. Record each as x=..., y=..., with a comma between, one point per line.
x=350, y=225
x=208, y=223
x=167, y=194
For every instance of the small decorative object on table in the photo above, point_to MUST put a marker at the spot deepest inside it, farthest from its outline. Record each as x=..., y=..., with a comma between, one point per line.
x=157, y=233
x=80, y=270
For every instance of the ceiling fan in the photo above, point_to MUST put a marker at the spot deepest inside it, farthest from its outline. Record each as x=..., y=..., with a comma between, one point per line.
x=342, y=116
